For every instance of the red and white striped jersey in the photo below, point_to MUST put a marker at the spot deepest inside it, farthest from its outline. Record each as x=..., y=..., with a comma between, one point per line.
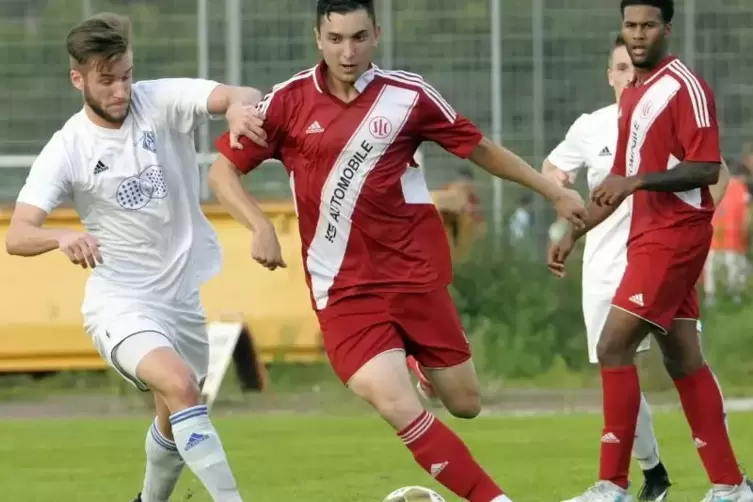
x=365, y=214
x=668, y=119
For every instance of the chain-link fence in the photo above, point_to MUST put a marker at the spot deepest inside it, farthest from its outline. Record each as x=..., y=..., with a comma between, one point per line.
x=522, y=69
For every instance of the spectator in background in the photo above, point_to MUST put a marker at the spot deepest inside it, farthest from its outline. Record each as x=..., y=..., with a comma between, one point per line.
x=730, y=241
x=521, y=219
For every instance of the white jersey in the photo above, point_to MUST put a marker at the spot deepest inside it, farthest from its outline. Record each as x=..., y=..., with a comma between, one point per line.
x=591, y=143
x=136, y=190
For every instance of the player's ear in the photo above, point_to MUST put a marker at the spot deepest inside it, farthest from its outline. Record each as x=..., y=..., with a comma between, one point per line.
x=318, y=37
x=77, y=79
x=377, y=34
x=668, y=29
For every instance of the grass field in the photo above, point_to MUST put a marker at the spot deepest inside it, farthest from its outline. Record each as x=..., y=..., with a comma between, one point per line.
x=331, y=459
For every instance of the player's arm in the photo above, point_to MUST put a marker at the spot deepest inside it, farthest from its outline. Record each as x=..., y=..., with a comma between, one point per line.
x=225, y=180
x=224, y=97
x=456, y=134
x=698, y=133
x=563, y=163
x=185, y=103
x=46, y=187
x=26, y=235
x=720, y=187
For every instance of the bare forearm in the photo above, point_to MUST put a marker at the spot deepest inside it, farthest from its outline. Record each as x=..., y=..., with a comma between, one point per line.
x=225, y=96
x=226, y=184
x=502, y=163
x=686, y=176
x=720, y=187
x=596, y=214
x=24, y=239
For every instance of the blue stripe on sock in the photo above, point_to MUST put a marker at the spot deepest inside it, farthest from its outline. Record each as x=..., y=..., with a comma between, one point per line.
x=162, y=440
x=192, y=412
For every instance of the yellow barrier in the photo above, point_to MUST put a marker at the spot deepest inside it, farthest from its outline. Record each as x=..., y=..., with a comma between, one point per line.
x=40, y=320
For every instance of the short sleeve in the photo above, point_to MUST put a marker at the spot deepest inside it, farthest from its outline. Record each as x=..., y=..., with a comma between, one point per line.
x=180, y=102
x=697, y=127
x=275, y=120
x=440, y=123
x=49, y=182
x=568, y=155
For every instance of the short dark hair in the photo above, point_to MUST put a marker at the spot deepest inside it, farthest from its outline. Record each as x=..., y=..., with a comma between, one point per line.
x=326, y=7
x=667, y=7
x=103, y=38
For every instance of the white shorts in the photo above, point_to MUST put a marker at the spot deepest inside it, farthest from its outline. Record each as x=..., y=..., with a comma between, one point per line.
x=181, y=325
x=596, y=306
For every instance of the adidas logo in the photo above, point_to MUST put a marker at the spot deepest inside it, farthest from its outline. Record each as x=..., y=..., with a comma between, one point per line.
x=437, y=468
x=314, y=128
x=699, y=443
x=637, y=299
x=100, y=167
x=605, y=152
x=195, y=439
x=609, y=437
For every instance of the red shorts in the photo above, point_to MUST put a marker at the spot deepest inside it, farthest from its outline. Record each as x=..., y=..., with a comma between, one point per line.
x=424, y=325
x=659, y=284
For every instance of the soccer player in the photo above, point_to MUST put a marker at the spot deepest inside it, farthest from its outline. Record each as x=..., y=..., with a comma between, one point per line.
x=590, y=143
x=667, y=157
x=374, y=248
x=128, y=163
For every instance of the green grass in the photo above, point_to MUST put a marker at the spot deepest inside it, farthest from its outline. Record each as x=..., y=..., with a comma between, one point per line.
x=332, y=459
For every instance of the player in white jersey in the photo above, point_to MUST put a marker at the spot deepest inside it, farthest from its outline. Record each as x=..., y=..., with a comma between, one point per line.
x=591, y=142
x=128, y=163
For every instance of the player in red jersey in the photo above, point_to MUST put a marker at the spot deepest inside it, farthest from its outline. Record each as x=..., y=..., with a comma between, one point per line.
x=374, y=248
x=667, y=156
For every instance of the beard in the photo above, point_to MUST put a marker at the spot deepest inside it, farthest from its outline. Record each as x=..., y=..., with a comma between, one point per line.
x=101, y=112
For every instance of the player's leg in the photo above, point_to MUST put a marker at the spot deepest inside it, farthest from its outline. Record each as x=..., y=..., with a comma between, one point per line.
x=431, y=323
x=163, y=461
x=147, y=355
x=638, y=308
x=366, y=352
x=702, y=403
x=597, y=302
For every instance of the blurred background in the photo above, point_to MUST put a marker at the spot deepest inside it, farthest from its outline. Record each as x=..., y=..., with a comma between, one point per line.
x=523, y=70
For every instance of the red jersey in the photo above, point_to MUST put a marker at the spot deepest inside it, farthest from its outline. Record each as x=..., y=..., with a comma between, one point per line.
x=365, y=214
x=667, y=119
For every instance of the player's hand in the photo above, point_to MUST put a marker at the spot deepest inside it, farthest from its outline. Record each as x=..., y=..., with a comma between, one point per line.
x=81, y=248
x=245, y=120
x=558, y=176
x=570, y=206
x=265, y=248
x=557, y=254
x=613, y=190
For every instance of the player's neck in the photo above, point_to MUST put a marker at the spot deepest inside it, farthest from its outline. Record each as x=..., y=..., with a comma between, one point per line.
x=642, y=74
x=99, y=121
x=344, y=91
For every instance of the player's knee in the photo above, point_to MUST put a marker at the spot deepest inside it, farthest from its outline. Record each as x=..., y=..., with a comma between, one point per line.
x=678, y=368
x=611, y=352
x=465, y=404
x=398, y=406
x=179, y=390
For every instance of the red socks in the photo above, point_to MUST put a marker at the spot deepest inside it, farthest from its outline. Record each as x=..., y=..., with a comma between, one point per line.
x=704, y=409
x=444, y=455
x=621, y=400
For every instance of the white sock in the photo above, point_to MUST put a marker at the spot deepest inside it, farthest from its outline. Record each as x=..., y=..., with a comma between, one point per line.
x=163, y=466
x=502, y=498
x=200, y=446
x=645, y=447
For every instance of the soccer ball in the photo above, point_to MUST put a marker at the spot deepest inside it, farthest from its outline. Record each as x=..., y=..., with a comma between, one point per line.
x=414, y=494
